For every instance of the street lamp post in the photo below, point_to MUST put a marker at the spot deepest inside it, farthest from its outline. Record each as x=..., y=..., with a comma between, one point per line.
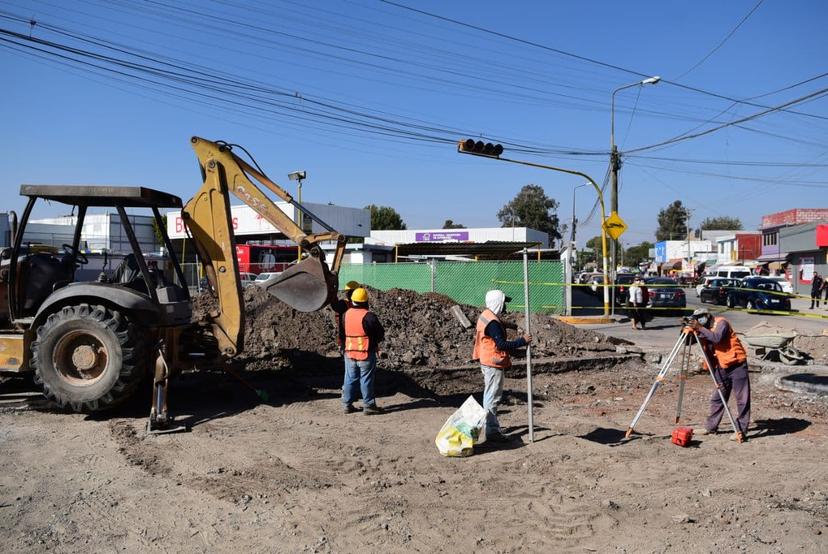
x=570, y=254
x=299, y=176
x=494, y=151
x=615, y=165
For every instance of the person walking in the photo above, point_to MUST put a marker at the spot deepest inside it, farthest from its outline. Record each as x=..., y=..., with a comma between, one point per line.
x=492, y=350
x=816, y=289
x=637, y=297
x=726, y=353
x=363, y=333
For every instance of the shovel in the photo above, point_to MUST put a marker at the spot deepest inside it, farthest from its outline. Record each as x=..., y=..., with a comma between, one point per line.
x=307, y=286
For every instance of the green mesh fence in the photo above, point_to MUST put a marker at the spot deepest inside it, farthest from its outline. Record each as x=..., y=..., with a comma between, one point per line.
x=467, y=282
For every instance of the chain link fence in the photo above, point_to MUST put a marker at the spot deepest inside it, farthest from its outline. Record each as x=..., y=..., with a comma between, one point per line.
x=463, y=282
x=467, y=282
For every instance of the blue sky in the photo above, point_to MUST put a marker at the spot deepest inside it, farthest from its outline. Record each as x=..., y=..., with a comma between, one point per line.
x=62, y=124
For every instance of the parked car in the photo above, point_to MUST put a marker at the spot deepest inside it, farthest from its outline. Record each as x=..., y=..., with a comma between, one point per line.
x=265, y=279
x=758, y=293
x=783, y=282
x=733, y=271
x=715, y=290
x=665, y=293
x=623, y=282
x=704, y=282
x=247, y=279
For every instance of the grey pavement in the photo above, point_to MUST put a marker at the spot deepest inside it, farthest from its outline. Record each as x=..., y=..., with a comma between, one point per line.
x=662, y=331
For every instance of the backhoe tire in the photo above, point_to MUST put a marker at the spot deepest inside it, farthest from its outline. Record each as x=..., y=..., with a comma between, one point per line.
x=89, y=358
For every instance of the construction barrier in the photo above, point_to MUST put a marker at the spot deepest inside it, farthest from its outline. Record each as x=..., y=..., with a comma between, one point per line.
x=466, y=282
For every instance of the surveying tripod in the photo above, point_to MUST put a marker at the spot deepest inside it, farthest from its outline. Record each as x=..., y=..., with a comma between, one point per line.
x=683, y=346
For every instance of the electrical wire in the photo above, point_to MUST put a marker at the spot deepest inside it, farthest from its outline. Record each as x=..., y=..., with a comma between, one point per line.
x=723, y=41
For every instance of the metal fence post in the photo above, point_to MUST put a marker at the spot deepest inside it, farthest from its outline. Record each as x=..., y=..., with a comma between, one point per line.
x=529, y=400
x=433, y=264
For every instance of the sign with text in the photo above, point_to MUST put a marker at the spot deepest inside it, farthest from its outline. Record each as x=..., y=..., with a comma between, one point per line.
x=442, y=236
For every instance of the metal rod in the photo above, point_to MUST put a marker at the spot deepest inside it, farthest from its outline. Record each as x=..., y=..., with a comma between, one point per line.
x=665, y=367
x=527, y=325
x=685, y=365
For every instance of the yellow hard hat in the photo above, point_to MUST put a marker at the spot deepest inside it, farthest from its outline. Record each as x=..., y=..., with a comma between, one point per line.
x=351, y=285
x=359, y=296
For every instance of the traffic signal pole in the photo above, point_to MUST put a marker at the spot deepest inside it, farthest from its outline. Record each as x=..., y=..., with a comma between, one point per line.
x=493, y=152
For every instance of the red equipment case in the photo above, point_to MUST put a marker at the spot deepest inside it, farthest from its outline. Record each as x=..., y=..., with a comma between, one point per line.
x=682, y=436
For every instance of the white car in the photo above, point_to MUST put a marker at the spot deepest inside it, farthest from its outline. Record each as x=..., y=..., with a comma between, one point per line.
x=703, y=284
x=247, y=279
x=783, y=282
x=264, y=280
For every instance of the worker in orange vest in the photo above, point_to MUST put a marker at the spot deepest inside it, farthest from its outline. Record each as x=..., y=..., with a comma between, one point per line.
x=363, y=332
x=339, y=307
x=492, y=350
x=725, y=351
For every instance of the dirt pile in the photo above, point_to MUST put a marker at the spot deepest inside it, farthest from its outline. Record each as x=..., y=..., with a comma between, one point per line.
x=420, y=331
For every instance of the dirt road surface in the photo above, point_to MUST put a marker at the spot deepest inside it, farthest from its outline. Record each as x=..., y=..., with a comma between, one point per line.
x=297, y=475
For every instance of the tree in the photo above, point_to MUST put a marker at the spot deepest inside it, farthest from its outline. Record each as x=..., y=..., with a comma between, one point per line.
x=385, y=218
x=158, y=232
x=672, y=222
x=638, y=254
x=532, y=208
x=449, y=224
x=722, y=223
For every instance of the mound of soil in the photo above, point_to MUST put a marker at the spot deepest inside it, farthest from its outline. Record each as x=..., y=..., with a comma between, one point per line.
x=420, y=330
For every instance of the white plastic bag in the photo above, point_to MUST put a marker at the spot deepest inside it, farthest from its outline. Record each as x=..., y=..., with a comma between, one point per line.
x=461, y=431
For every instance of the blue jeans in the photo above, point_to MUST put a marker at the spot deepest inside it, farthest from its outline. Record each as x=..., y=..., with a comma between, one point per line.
x=359, y=375
x=492, y=392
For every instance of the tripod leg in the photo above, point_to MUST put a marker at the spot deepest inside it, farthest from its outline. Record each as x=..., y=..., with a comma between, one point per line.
x=685, y=364
x=739, y=434
x=665, y=367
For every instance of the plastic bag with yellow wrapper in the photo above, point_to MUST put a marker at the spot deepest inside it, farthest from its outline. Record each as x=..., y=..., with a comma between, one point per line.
x=461, y=431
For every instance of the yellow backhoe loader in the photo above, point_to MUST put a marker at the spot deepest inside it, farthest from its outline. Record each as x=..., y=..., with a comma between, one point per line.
x=87, y=342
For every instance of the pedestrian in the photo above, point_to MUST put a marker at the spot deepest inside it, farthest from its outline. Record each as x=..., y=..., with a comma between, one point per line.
x=363, y=333
x=638, y=297
x=816, y=289
x=729, y=359
x=825, y=289
x=493, y=351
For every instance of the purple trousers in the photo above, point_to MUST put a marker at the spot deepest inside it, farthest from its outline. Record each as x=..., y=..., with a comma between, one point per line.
x=735, y=379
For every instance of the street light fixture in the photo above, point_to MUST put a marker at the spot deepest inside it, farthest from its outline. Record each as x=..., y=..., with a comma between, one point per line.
x=615, y=164
x=299, y=176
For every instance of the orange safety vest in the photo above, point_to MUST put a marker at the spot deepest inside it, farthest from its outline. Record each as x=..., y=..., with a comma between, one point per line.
x=485, y=348
x=356, y=341
x=729, y=351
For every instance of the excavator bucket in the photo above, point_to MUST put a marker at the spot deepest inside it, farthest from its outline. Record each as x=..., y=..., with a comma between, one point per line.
x=307, y=286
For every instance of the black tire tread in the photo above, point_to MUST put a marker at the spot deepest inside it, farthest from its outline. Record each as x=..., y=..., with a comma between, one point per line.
x=133, y=368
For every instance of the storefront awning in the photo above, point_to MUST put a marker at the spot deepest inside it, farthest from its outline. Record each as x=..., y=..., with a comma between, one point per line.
x=781, y=257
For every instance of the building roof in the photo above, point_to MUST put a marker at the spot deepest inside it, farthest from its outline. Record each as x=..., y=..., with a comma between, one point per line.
x=491, y=250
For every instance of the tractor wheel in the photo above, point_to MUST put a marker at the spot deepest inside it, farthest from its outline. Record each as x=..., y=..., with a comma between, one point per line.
x=89, y=358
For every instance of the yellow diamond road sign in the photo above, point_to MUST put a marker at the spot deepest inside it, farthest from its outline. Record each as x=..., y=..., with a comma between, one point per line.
x=614, y=225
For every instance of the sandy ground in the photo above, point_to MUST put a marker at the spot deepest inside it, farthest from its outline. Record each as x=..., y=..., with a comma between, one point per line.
x=297, y=475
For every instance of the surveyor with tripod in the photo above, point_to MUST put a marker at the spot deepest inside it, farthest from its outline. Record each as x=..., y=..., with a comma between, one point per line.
x=725, y=351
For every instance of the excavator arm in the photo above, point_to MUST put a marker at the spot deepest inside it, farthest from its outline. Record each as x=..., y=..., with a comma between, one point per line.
x=307, y=286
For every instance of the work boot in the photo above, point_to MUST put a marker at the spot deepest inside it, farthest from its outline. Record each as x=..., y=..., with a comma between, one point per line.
x=704, y=431
x=349, y=408
x=497, y=437
x=371, y=409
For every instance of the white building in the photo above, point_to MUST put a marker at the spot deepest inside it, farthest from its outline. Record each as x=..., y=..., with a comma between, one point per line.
x=101, y=231
x=477, y=235
x=684, y=255
x=352, y=222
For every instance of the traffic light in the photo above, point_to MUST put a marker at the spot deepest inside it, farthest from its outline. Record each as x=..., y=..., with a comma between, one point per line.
x=469, y=146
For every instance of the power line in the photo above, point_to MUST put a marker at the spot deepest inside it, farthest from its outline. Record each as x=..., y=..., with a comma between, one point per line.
x=723, y=41
x=584, y=58
x=681, y=138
